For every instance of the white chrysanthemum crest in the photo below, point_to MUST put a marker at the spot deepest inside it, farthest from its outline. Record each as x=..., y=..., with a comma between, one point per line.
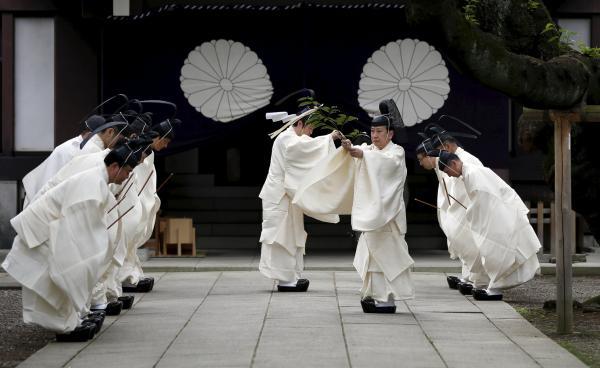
x=412, y=73
x=225, y=80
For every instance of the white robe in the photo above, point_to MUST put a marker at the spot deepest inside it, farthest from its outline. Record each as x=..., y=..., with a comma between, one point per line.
x=78, y=164
x=452, y=219
x=60, y=156
x=498, y=219
x=94, y=144
x=60, y=248
x=117, y=239
x=141, y=224
x=371, y=189
x=283, y=237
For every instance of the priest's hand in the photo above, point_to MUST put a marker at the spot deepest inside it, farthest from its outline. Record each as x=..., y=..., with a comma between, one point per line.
x=356, y=152
x=346, y=144
x=337, y=135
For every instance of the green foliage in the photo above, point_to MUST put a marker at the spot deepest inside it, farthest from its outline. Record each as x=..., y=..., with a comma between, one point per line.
x=328, y=118
x=566, y=42
x=551, y=27
x=470, y=10
x=593, y=52
x=533, y=5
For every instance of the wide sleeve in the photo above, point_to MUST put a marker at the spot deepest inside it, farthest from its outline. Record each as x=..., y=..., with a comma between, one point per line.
x=301, y=155
x=379, y=187
x=329, y=187
x=79, y=249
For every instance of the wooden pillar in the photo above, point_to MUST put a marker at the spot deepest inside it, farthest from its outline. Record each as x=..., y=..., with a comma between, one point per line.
x=552, y=230
x=563, y=222
x=7, y=144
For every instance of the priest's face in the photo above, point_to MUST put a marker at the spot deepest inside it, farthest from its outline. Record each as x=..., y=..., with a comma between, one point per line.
x=381, y=136
x=302, y=129
x=426, y=162
x=117, y=174
x=160, y=144
x=109, y=137
x=454, y=168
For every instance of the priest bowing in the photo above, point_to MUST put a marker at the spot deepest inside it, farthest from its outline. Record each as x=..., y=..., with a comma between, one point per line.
x=498, y=219
x=62, y=244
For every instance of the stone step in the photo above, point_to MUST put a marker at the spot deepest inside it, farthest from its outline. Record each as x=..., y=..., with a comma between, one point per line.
x=314, y=242
x=313, y=229
x=190, y=191
x=227, y=203
x=182, y=180
x=231, y=216
x=218, y=217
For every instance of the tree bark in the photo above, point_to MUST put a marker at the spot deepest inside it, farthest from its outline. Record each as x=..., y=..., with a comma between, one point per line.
x=559, y=83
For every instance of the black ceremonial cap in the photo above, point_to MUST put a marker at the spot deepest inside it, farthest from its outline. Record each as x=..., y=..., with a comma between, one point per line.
x=381, y=120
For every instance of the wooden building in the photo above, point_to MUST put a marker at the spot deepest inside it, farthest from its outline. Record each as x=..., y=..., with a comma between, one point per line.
x=60, y=58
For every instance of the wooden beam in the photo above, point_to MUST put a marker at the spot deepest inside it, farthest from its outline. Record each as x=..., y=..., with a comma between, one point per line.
x=8, y=92
x=27, y=5
x=552, y=230
x=589, y=114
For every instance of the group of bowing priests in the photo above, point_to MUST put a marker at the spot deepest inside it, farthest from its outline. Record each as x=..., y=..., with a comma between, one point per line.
x=483, y=218
x=87, y=209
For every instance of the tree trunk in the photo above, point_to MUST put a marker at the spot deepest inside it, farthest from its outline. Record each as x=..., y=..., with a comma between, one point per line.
x=559, y=83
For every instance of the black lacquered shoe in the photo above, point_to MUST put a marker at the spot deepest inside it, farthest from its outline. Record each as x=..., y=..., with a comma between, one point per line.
x=301, y=286
x=127, y=301
x=465, y=288
x=98, y=321
x=481, y=294
x=112, y=308
x=97, y=313
x=368, y=306
x=80, y=334
x=143, y=286
x=453, y=282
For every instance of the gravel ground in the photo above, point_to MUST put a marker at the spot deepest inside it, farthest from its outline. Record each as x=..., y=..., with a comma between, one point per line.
x=528, y=299
x=17, y=340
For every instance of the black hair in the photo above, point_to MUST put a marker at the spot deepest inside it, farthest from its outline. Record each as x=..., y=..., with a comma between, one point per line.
x=446, y=158
x=123, y=156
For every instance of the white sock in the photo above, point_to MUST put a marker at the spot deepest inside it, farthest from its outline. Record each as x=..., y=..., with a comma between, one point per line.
x=493, y=291
x=287, y=283
x=99, y=306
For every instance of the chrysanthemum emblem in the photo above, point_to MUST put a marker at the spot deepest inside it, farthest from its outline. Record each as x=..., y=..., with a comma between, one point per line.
x=412, y=73
x=225, y=80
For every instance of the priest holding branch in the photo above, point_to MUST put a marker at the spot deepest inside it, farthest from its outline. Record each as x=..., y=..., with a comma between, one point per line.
x=367, y=182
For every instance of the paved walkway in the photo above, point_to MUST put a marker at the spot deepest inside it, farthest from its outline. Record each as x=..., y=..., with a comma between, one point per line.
x=242, y=260
x=235, y=319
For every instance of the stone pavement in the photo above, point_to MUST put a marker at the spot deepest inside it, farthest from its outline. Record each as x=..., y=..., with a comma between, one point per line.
x=247, y=260
x=236, y=319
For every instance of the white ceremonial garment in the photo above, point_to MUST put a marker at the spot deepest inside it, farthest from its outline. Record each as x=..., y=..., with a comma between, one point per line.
x=78, y=164
x=498, y=219
x=117, y=239
x=283, y=237
x=60, y=156
x=452, y=219
x=371, y=189
x=94, y=144
x=145, y=178
x=60, y=249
